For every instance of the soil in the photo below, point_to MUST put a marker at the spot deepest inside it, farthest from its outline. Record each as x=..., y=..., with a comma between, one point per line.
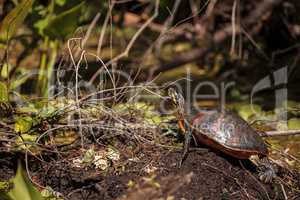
x=153, y=174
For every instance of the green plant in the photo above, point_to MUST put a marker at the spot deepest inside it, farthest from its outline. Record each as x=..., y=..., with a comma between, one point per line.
x=47, y=27
x=19, y=188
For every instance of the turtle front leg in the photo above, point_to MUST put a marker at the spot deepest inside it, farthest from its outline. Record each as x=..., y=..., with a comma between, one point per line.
x=187, y=141
x=267, y=170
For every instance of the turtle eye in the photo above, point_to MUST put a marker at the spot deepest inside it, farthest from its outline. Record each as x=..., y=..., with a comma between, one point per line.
x=173, y=96
x=174, y=99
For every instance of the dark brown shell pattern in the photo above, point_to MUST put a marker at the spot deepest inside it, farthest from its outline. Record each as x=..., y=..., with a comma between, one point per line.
x=229, y=130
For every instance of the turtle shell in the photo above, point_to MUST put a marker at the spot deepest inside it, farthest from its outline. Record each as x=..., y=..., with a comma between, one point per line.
x=228, y=132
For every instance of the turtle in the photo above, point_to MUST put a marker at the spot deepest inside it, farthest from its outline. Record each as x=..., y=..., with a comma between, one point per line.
x=224, y=131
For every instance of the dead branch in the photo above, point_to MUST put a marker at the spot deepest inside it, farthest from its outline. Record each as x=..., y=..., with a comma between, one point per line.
x=219, y=37
x=131, y=42
x=281, y=133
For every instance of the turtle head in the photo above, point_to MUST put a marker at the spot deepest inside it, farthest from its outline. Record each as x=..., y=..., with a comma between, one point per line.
x=177, y=100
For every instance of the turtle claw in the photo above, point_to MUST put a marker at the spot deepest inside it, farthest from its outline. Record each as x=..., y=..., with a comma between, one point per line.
x=184, y=156
x=267, y=176
x=187, y=141
x=181, y=162
x=267, y=171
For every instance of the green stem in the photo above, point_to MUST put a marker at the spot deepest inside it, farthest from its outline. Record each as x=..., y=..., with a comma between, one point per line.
x=50, y=67
x=46, y=66
x=43, y=63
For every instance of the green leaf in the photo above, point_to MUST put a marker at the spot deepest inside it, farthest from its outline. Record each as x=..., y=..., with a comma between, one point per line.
x=89, y=156
x=23, y=188
x=247, y=111
x=24, y=124
x=60, y=2
x=49, y=194
x=64, y=24
x=5, y=106
x=5, y=68
x=14, y=19
x=47, y=111
x=4, y=187
x=3, y=92
x=41, y=24
x=294, y=123
x=26, y=141
x=19, y=81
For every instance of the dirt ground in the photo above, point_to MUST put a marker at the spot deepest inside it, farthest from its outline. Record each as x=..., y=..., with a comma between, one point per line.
x=154, y=174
